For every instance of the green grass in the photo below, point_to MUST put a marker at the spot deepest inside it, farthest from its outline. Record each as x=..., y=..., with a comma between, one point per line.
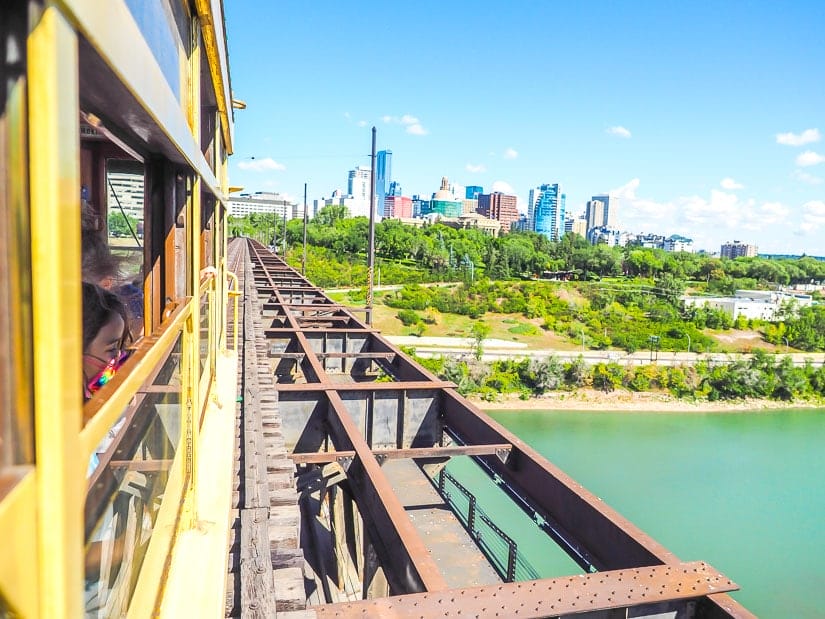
x=524, y=329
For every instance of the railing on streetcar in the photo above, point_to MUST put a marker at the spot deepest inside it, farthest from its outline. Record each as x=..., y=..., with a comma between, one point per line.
x=235, y=293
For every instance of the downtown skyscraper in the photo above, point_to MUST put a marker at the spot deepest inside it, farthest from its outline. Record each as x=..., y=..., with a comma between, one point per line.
x=599, y=213
x=383, y=178
x=545, y=211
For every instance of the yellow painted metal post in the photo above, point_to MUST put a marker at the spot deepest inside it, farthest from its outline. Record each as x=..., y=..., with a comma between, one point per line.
x=58, y=396
x=194, y=252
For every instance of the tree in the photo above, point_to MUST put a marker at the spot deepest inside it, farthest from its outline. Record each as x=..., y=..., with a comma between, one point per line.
x=119, y=224
x=607, y=376
x=479, y=331
x=329, y=215
x=546, y=374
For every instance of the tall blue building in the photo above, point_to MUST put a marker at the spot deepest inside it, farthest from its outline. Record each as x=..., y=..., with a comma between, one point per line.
x=395, y=189
x=546, y=211
x=383, y=178
x=471, y=192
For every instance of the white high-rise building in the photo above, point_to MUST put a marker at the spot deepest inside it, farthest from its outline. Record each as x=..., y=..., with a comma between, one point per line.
x=608, y=215
x=264, y=202
x=125, y=188
x=358, y=185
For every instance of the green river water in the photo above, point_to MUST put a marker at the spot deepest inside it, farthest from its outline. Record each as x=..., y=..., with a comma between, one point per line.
x=744, y=492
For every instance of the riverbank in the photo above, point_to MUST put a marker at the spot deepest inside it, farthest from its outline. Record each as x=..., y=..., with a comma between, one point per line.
x=631, y=401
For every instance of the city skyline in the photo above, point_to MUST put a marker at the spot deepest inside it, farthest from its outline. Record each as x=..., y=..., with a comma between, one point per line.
x=715, y=141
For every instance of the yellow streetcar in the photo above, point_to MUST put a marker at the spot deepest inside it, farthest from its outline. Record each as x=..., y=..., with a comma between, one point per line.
x=115, y=127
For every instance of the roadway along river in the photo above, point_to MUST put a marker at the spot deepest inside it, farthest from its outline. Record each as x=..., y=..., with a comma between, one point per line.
x=743, y=491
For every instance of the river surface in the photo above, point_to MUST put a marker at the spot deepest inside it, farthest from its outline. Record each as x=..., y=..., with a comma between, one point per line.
x=744, y=492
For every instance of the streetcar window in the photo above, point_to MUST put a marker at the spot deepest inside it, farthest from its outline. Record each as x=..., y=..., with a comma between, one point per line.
x=126, y=489
x=16, y=424
x=125, y=182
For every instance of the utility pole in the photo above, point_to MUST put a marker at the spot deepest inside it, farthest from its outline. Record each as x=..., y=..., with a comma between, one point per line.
x=371, y=248
x=304, y=261
x=284, y=229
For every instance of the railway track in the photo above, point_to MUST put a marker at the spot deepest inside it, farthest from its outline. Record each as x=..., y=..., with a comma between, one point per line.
x=369, y=430
x=265, y=563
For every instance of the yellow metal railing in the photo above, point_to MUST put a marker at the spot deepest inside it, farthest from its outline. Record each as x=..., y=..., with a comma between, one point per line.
x=235, y=294
x=134, y=526
x=169, y=505
x=109, y=403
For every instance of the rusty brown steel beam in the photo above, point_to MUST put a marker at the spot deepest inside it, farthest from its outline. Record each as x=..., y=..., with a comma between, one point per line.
x=408, y=565
x=326, y=305
x=288, y=355
x=359, y=355
x=405, y=559
x=400, y=454
x=601, y=528
x=369, y=386
x=275, y=331
x=610, y=539
x=554, y=597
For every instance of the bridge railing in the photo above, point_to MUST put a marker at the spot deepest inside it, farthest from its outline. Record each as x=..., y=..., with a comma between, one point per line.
x=499, y=548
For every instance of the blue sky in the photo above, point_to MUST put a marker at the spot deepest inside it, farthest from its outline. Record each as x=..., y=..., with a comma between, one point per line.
x=704, y=119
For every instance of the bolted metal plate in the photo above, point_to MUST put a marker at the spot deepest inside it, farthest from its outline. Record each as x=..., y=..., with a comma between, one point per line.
x=548, y=597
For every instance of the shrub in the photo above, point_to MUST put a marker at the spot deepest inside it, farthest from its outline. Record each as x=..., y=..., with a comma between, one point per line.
x=408, y=317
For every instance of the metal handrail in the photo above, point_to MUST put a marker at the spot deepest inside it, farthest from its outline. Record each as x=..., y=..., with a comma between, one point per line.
x=234, y=293
x=474, y=514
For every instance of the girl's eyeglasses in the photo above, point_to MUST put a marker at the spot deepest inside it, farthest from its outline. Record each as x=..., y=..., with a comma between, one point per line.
x=107, y=373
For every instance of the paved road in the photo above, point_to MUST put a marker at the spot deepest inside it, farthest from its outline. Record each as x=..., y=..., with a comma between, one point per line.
x=502, y=349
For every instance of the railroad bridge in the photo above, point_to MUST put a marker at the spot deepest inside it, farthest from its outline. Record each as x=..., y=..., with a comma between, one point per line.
x=343, y=507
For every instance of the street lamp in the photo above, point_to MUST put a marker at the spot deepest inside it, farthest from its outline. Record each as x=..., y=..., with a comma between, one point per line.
x=581, y=331
x=687, y=335
x=787, y=346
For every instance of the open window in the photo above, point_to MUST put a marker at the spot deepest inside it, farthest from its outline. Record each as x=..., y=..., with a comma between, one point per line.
x=16, y=422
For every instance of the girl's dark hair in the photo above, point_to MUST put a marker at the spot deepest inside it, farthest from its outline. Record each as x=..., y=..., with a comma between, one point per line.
x=98, y=262
x=99, y=307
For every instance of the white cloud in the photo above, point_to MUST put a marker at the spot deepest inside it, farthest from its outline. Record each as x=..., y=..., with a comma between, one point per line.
x=347, y=116
x=503, y=187
x=267, y=164
x=705, y=219
x=804, y=177
x=730, y=184
x=472, y=167
x=618, y=131
x=793, y=139
x=813, y=215
x=413, y=125
x=362, y=123
x=510, y=153
x=809, y=158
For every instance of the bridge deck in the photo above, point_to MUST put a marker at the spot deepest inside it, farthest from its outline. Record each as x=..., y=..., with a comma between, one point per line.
x=374, y=536
x=455, y=553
